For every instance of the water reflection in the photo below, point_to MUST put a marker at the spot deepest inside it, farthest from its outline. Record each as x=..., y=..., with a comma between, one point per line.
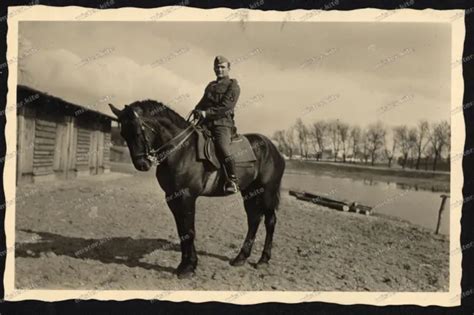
x=415, y=203
x=402, y=186
x=369, y=181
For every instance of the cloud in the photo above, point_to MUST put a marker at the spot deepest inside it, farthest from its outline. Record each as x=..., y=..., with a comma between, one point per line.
x=85, y=81
x=268, y=65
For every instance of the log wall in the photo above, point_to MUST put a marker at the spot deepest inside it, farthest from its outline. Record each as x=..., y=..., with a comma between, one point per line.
x=44, y=147
x=53, y=142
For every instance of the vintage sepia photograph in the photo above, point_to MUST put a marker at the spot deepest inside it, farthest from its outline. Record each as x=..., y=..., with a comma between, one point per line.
x=234, y=155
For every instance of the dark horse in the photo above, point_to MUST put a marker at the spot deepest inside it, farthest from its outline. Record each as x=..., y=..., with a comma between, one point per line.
x=155, y=133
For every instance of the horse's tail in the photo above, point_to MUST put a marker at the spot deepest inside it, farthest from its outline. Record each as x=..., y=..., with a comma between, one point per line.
x=279, y=176
x=277, y=196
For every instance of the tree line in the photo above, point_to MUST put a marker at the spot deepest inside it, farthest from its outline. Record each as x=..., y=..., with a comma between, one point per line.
x=426, y=145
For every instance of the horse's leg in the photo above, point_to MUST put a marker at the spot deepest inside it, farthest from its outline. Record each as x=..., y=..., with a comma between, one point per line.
x=270, y=201
x=254, y=216
x=270, y=222
x=183, y=210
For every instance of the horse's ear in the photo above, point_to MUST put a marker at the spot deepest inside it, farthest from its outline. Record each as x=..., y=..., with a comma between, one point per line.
x=115, y=110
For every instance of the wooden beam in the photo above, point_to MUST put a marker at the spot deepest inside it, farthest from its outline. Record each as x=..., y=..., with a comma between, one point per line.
x=45, y=134
x=44, y=141
x=41, y=122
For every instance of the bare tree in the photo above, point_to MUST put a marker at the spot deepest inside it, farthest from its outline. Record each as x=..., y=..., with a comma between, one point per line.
x=354, y=136
x=421, y=141
x=402, y=138
x=439, y=138
x=319, y=133
x=283, y=146
x=428, y=157
x=343, y=129
x=314, y=144
x=375, y=134
x=390, y=150
x=290, y=139
x=365, y=147
x=412, y=138
x=302, y=135
x=333, y=130
x=448, y=144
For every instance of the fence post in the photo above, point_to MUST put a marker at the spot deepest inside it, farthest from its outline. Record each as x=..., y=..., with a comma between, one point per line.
x=440, y=213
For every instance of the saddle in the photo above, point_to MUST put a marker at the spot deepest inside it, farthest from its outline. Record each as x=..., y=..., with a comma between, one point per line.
x=240, y=147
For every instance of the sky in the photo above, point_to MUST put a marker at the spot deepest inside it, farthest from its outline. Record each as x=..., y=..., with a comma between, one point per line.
x=359, y=73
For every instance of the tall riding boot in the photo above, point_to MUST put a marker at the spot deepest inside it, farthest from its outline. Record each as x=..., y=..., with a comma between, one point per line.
x=232, y=184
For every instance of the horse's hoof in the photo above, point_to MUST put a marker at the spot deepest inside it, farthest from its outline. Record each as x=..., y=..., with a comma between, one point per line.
x=185, y=275
x=236, y=262
x=185, y=272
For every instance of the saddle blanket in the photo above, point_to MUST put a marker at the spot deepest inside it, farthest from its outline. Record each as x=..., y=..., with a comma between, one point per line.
x=240, y=148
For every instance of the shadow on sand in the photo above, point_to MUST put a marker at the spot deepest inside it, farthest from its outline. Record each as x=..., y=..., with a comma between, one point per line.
x=117, y=250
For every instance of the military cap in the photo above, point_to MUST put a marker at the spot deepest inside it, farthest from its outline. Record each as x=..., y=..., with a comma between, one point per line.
x=221, y=59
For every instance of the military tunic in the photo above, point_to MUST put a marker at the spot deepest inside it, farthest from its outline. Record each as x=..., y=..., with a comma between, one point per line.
x=219, y=101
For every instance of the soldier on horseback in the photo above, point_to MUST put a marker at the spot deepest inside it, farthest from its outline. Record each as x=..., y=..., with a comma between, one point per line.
x=217, y=110
x=154, y=137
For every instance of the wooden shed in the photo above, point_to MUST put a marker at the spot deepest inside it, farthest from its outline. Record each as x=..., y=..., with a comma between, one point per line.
x=58, y=139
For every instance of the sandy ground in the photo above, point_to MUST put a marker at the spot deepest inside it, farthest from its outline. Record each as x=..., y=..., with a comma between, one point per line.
x=115, y=232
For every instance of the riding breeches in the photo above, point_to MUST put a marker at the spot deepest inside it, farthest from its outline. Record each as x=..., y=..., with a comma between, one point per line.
x=222, y=139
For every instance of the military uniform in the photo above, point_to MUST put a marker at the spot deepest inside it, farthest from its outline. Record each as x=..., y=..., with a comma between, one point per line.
x=218, y=103
x=219, y=100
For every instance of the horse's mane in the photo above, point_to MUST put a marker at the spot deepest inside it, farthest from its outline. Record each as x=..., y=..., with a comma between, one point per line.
x=152, y=108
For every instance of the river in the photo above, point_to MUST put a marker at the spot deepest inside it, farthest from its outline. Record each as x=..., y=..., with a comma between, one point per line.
x=387, y=198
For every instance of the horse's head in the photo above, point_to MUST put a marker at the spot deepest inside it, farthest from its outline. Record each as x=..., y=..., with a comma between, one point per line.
x=138, y=138
x=147, y=126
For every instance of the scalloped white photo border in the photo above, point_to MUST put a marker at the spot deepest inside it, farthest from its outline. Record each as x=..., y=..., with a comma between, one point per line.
x=182, y=13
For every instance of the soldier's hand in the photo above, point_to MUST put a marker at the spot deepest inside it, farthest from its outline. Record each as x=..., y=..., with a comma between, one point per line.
x=198, y=114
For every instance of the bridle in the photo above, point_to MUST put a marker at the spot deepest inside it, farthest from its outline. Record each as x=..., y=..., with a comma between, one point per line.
x=158, y=155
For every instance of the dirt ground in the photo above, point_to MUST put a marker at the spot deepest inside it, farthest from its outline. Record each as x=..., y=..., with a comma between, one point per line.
x=114, y=231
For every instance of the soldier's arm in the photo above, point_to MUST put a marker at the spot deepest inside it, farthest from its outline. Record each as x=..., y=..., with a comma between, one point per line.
x=228, y=102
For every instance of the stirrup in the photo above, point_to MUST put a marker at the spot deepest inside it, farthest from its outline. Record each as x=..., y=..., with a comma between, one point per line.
x=231, y=187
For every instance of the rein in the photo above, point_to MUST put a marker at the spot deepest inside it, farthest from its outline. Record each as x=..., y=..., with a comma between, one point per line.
x=157, y=156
